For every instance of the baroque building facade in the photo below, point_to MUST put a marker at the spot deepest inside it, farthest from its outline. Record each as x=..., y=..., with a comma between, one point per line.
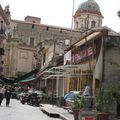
x=4, y=25
x=25, y=39
x=87, y=16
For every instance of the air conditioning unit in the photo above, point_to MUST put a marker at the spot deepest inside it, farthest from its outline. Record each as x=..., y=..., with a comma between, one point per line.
x=67, y=42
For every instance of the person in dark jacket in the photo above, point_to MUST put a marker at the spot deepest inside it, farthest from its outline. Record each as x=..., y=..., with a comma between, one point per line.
x=1, y=95
x=8, y=94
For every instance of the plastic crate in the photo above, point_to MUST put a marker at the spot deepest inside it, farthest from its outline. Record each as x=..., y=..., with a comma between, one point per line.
x=87, y=115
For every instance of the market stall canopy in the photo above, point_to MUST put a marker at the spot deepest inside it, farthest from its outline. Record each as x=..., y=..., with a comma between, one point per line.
x=29, y=79
x=6, y=80
x=26, y=77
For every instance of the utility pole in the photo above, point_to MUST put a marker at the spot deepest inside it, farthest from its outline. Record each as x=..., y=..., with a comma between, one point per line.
x=72, y=14
x=72, y=19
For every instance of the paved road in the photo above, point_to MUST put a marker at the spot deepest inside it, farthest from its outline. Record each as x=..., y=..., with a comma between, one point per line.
x=17, y=111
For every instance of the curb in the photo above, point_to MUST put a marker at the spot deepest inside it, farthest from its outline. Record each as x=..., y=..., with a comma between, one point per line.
x=63, y=117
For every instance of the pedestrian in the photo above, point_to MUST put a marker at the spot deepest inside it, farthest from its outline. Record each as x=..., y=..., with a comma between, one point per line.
x=8, y=94
x=1, y=94
x=87, y=90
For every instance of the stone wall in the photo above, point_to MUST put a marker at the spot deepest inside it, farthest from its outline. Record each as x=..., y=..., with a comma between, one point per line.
x=112, y=60
x=111, y=65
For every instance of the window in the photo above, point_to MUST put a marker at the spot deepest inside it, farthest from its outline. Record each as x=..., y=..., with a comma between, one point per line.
x=67, y=42
x=32, y=41
x=47, y=28
x=1, y=27
x=76, y=24
x=33, y=26
x=93, y=24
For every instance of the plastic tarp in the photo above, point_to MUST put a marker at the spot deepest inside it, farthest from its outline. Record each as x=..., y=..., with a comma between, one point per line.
x=99, y=65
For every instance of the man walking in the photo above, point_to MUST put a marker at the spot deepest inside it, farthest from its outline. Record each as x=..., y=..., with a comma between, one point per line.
x=87, y=90
x=8, y=94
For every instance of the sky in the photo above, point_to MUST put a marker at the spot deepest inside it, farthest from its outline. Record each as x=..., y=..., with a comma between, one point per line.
x=59, y=12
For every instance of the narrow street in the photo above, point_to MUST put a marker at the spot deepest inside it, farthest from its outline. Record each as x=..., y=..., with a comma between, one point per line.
x=17, y=111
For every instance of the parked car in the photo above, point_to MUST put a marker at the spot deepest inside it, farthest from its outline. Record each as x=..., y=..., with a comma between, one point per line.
x=69, y=98
x=71, y=95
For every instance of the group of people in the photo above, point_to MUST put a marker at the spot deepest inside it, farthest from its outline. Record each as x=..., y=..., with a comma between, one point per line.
x=5, y=92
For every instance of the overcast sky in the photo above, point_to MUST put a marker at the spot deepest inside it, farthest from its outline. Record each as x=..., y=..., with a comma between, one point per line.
x=59, y=12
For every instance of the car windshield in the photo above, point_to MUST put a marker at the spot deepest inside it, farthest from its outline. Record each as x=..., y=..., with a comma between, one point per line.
x=71, y=94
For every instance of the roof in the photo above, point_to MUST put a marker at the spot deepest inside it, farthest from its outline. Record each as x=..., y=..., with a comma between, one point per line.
x=43, y=25
x=89, y=5
x=93, y=33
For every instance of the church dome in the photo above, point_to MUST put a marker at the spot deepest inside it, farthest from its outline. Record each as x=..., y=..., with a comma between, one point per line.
x=89, y=6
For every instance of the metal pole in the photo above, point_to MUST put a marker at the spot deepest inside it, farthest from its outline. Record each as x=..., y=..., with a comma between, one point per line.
x=72, y=20
x=72, y=14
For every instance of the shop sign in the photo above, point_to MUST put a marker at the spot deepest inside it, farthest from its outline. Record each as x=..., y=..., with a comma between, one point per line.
x=82, y=53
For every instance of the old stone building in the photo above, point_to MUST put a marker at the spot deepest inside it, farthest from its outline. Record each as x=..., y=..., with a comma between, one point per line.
x=25, y=39
x=87, y=18
x=31, y=43
x=4, y=24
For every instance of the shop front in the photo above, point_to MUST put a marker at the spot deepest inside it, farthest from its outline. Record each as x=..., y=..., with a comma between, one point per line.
x=86, y=61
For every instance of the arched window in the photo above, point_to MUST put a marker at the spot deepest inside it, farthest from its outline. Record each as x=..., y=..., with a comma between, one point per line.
x=76, y=24
x=32, y=41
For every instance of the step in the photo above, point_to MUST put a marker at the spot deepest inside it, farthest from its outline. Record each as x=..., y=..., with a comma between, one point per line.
x=50, y=112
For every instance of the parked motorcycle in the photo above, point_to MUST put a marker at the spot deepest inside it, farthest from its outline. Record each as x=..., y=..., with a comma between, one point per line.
x=31, y=99
x=24, y=99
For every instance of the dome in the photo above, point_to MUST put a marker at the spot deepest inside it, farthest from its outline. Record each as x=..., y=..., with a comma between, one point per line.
x=89, y=6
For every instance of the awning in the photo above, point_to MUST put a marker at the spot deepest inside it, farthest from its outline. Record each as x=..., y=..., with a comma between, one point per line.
x=66, y=71
x=87, y=38
x=6, y=80
x=26, y=76
x=29, y=79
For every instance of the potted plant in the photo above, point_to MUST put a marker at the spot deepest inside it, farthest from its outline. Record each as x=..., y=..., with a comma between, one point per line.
x=78, y=105
x=115, y=89
x=103, y=100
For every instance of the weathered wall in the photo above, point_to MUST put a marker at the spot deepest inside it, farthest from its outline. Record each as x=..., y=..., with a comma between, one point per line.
x=112, y=60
